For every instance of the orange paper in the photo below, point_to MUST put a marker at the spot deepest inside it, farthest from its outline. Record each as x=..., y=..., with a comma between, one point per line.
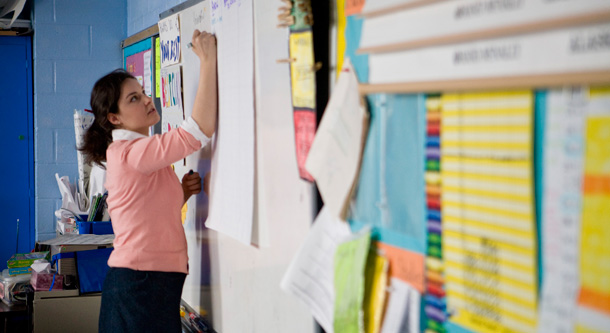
x=353, y=7
x=405, y=265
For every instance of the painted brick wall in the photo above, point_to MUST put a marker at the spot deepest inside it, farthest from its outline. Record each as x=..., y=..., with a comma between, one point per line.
x=75, y=43
x=141, y=14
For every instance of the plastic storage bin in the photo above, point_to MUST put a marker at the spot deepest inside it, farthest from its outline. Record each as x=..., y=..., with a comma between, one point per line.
x=12, y=288
x=95, y=227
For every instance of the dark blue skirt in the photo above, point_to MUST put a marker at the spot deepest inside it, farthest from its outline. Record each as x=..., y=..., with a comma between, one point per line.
x=141, y=301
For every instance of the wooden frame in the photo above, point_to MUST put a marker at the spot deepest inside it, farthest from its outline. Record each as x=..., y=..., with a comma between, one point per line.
x=493, y=83
x=149, y=32
x=562, y=22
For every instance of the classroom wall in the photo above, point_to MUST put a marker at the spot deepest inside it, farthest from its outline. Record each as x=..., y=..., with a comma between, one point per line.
x=75, y=43
x=141, y=14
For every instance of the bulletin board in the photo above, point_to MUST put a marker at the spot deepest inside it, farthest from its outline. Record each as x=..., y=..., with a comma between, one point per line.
x=140, y=59
x=476, y=110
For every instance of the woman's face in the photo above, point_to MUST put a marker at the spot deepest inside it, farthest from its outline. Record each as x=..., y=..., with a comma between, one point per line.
x=136, y=110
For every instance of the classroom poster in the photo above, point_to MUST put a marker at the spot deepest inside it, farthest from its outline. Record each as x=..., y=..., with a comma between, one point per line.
x=171, y=98
x=302, y=72
x=304, y=132
x=158, y=67
x=169, y=34
x=135, y=66
x=147, y=73
x=565, y=111
x=302, y=77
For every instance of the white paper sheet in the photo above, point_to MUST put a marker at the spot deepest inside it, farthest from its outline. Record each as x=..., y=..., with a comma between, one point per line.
x=169, y=34
x=334, y=157
x=232, y=185
x=82, y=122
x=563, y=172
x=171, y=98
x=310, y=276
x=147, y=73
x=402, y=311
x=196, y=17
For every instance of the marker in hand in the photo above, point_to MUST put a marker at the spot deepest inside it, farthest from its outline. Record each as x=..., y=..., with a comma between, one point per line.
x=189, y=45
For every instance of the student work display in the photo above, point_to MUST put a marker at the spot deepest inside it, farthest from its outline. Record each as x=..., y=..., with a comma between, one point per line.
x=481, y=260
x=483, y=179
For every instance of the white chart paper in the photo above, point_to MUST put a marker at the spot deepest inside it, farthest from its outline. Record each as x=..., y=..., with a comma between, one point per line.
x=232, y=185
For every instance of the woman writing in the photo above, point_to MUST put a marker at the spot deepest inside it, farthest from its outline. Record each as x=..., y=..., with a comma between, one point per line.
x=149, y=263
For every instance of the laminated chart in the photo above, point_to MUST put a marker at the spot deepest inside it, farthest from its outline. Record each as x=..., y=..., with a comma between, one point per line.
x=594, y=295
x=489, y=238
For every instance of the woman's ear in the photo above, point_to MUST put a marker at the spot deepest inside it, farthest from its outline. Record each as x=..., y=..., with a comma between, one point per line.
x=113, y=118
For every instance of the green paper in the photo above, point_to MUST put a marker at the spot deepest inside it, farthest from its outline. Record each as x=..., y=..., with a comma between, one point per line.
x=350, y=263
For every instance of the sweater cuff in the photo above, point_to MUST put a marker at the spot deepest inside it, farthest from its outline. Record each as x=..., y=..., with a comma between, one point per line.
x=193, y=129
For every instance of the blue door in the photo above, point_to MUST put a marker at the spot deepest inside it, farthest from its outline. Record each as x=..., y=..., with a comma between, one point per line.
x=16, y=147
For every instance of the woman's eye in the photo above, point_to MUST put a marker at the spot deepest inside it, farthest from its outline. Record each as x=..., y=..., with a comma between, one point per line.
x=134, y=98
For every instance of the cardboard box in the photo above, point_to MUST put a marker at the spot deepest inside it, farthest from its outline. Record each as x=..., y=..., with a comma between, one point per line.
x=66, y=228
x=19, y=271
x=65, y=311
x=43, y=281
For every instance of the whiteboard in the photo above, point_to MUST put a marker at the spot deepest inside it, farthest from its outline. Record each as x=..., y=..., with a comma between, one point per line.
x=237, y=284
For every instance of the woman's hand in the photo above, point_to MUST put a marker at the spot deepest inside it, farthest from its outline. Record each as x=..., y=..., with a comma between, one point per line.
x=204, y=46
x=191, y=184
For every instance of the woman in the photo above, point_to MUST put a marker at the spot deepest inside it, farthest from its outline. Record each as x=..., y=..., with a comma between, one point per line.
x=148, y=265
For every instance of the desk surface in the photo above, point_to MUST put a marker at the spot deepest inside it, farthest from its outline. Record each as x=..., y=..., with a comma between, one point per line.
x=6, y=310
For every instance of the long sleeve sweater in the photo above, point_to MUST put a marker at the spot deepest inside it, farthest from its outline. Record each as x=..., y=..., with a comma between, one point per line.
x=145, y=197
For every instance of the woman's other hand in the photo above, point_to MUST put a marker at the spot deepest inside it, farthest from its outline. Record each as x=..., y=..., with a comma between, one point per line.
x=191, y=184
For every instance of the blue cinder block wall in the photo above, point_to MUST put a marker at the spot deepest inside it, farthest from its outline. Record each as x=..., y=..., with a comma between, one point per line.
x=141, y=14
x=75, y=43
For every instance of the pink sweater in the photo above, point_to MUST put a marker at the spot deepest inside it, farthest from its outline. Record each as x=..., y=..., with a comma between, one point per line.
x=145, y=198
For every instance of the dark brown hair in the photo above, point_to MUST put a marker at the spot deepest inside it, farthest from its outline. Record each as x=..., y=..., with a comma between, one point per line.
x=104, y=100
